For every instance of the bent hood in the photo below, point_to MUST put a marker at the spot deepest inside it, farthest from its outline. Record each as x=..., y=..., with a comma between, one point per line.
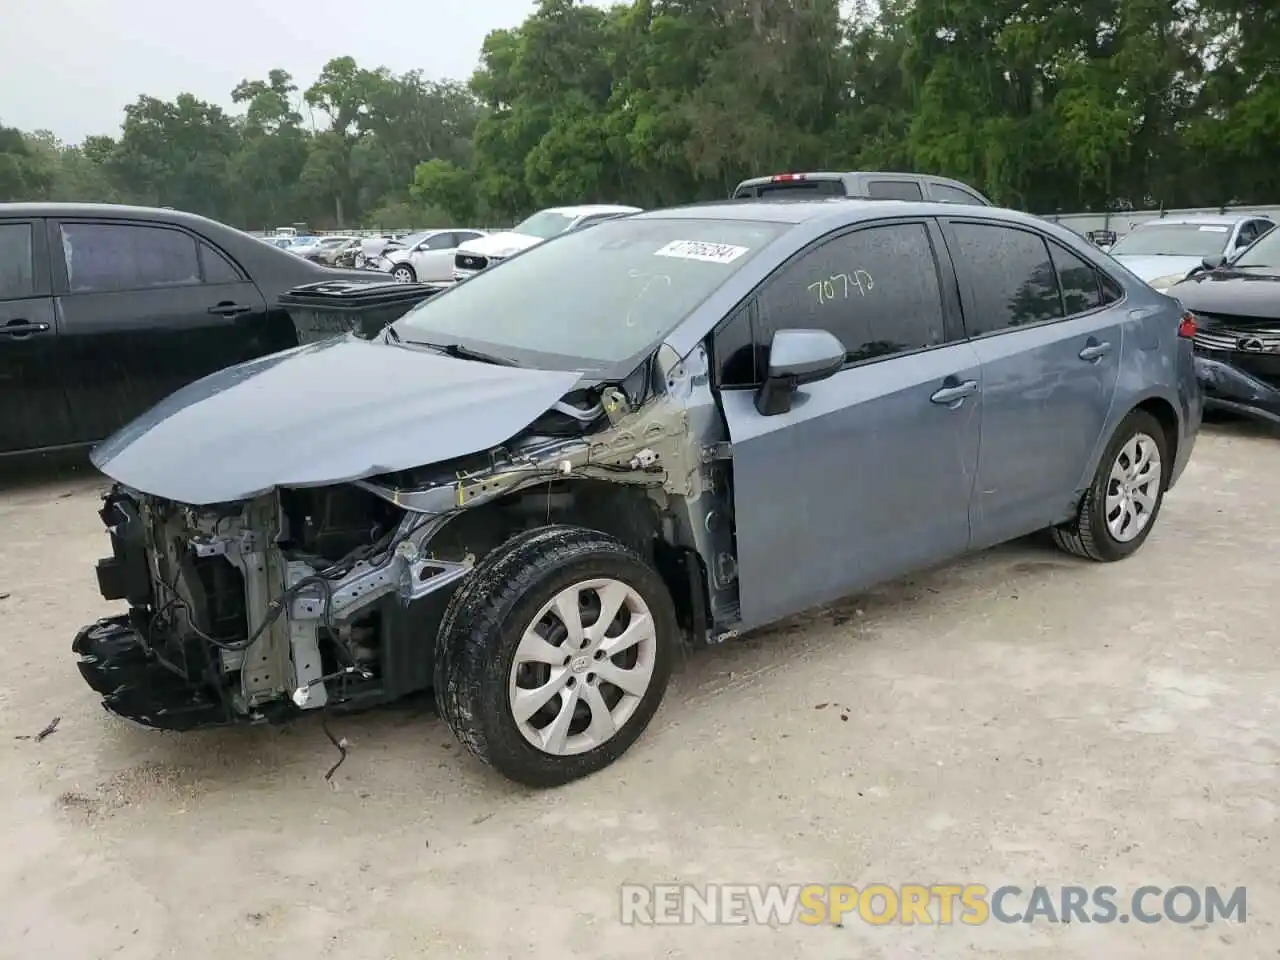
x=1152, y=267
x=320, y=414
x=500, y=244
x=1240, y=294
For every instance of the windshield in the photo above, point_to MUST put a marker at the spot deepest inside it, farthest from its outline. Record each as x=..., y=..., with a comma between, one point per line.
x=1265, y=252
x=591, y=299
x=544, y=225
x=1174, y=240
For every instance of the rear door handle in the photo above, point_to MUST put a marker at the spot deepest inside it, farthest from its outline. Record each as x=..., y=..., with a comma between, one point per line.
x=954, y=394
x=230, y=309
x=1095, y=351
x=21, y=328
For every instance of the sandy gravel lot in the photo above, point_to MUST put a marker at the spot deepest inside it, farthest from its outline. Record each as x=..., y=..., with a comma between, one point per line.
x=1017, y=717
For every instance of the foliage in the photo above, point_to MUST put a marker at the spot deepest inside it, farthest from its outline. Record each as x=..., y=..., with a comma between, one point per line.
x=1048, y=105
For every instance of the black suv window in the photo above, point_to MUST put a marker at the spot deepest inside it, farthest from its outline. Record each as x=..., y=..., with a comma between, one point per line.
x=1008, y=276
x=800, y=189
x=105, y=257
x=17, y=264
x=894, y=190
x=876, y=289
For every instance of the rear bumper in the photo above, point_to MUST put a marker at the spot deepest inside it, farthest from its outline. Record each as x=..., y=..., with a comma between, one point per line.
x=1228, y=387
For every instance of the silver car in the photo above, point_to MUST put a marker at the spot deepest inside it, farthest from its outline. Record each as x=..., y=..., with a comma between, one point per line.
x=1162, y=252
x=526, y=496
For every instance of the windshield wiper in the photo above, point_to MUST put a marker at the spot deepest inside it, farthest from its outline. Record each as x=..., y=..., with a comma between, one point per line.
x=392, y=335
x=459, y=352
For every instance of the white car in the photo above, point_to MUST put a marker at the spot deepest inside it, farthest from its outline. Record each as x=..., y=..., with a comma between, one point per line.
x=427, y=257
x=1165, y=250
x=476, y=255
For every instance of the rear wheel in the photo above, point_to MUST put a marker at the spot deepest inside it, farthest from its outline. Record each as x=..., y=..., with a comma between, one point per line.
x=403, y=273
x=554, y=655
x=1119, y=509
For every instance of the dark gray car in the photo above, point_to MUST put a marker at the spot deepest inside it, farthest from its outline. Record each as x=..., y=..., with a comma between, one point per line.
x=526, y=500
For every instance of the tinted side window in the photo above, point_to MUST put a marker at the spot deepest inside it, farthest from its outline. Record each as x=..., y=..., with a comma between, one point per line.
x=1111, y=290
x=217, y=268
x=17, y=261
x=1081, y=290
x=103, y=257
x=894, y=190
x=735, y=352
x=441, y=241
x=1008, y=276
x=946, y=193
x=876, y=289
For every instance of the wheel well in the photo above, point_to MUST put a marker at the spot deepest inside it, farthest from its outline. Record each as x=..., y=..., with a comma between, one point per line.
x=1167, y=417
x=621, y=510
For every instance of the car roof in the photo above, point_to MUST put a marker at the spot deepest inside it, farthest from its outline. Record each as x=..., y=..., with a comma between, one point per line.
x=840, y=174
x=837, y=210
x=586, y=209
x=1204, y=219
x=101, y=211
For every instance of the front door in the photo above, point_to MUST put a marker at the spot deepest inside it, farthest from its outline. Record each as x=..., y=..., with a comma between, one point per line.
x=869, y=474
x=433, y=260
x=33, y=405
x=1048, y=330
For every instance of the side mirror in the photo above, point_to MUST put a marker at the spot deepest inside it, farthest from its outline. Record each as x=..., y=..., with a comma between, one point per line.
x=797, y=357
x=1214, y=262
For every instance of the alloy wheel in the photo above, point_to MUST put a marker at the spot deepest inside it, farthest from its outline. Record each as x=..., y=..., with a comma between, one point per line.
x=1133, y=488
x=582, y=667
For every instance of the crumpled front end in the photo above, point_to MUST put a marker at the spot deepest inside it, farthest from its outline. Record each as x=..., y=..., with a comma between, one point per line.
x=1238, y=364
x=253, y=611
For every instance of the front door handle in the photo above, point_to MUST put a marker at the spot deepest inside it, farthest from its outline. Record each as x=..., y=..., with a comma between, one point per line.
x=230, y=309
x=21, y=328
x=1094, y=351
x=955, y=393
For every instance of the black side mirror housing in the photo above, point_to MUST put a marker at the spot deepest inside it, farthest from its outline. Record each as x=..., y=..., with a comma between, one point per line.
x=797, y=357
x=1214, y=263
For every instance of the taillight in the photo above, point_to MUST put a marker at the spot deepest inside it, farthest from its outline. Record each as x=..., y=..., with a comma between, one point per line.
x=1187, y=327
x=786, y=177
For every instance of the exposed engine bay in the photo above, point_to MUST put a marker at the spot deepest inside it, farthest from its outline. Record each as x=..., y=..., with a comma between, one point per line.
x=303, y=598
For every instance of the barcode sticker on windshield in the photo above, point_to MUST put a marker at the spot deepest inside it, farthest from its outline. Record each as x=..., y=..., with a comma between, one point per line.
x=1213, y=229
x=701, y=250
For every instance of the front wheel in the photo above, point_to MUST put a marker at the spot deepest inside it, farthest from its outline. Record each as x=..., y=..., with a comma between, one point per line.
x=1119, y=509
x=403, y=273
x=555, y=654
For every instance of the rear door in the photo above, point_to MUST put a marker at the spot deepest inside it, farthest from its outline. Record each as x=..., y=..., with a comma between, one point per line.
x=33, y=405
x=870, y=473
x=1048, y=332
x=143, y=309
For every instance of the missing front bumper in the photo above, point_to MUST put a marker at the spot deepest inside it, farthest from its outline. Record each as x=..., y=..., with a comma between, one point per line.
x=136, y=687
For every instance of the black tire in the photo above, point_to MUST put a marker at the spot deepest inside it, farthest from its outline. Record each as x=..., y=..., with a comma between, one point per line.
x=1087, y=535
x=482, y=628
x=403, y=269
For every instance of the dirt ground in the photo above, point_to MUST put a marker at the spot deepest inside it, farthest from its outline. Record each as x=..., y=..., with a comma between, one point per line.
x=1017, y=717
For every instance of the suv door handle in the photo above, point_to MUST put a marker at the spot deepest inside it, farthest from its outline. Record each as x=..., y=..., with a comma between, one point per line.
x=1094, y=351
x=229, y=309
x=21, y=328
x=955, y=393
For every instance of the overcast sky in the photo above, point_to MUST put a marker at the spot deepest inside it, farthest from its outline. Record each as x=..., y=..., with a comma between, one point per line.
x=70, y=66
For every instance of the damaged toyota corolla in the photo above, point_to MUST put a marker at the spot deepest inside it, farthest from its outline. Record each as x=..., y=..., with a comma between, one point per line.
x=529, y=490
